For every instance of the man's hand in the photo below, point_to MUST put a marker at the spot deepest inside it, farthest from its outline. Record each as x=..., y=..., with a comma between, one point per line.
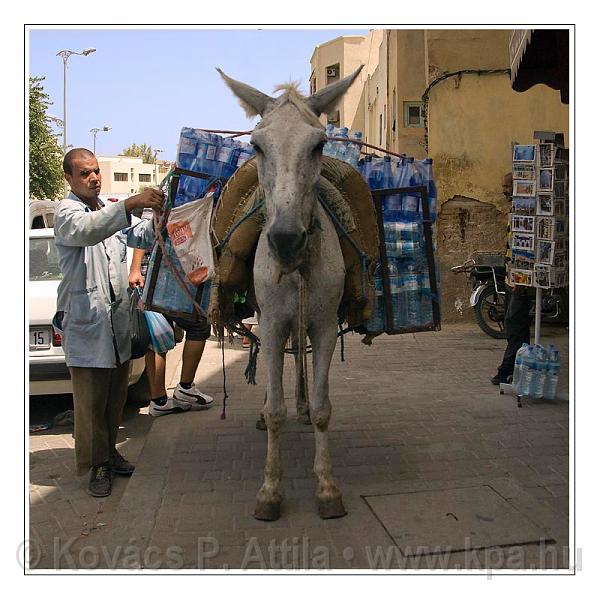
x=149, y=198
x=136, y=278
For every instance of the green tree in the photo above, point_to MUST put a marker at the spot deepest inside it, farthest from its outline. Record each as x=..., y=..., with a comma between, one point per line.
x=45, y=154
x=142, y=151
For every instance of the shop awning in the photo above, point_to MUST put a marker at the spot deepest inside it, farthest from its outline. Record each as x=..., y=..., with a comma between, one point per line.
x=540, y=56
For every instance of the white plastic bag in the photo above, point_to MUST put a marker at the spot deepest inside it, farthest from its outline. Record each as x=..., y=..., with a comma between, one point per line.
x=189, y=229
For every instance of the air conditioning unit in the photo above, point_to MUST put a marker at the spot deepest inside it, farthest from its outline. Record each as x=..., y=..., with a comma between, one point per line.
x=331, y=72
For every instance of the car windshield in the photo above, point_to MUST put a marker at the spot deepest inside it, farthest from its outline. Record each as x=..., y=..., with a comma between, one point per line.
x=43, y=260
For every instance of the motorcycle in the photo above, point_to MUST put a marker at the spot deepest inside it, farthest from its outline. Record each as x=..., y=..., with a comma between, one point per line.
x=486, y=273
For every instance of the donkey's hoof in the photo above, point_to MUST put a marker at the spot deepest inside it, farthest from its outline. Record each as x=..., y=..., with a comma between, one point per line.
x=267, y=511
x=332, y=509
x=304, y=419
x=261, y=424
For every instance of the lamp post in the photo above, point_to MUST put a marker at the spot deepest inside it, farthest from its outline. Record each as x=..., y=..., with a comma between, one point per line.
x=155, y=167
x=65, y=54
x=95, y=130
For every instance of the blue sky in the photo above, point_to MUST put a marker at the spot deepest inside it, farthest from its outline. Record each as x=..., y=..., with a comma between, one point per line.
x=149, y=83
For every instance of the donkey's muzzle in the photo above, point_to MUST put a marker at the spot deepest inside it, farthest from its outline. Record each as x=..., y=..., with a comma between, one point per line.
x=287, y=245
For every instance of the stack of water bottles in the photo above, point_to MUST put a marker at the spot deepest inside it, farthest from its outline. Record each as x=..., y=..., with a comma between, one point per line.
x=342, y=149
x=406, y=252
x=536, y=371
x=209, y=154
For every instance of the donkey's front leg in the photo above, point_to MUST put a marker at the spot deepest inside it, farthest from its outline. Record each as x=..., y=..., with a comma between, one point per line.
x=268, y=500
x=328, y=495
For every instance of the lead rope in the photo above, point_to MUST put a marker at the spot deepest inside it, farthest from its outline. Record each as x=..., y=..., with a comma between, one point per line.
x=301, y=364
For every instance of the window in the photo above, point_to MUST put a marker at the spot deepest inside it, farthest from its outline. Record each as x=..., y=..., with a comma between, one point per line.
x=380, y=128
x=413, y=114
x=313, y=84
x=144, y=177
x=121, y=177
x=333, y=73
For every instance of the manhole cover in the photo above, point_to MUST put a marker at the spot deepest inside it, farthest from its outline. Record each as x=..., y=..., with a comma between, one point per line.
x=452, y=520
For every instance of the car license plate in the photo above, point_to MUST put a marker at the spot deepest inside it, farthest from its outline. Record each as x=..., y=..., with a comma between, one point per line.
x=39, y=338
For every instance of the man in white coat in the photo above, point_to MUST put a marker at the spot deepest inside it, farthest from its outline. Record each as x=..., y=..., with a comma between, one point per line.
x=93, y=310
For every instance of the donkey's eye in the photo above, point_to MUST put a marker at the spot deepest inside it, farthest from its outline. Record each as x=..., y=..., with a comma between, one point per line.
x=256, y=147
x=319, y=148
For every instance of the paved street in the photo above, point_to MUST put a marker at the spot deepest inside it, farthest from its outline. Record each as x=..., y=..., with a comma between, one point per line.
x=438, y=470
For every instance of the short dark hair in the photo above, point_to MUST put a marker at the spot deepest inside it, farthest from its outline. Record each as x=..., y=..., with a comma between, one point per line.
x=72, y=154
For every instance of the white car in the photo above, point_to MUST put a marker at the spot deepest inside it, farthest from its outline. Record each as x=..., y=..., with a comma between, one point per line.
x=48, y=372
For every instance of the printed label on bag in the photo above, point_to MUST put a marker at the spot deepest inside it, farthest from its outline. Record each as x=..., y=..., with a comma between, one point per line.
x=180, y=232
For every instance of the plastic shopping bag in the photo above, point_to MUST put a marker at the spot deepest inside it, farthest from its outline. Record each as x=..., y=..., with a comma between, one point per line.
x=161, y=333
x=140, y=335
x=189, y=230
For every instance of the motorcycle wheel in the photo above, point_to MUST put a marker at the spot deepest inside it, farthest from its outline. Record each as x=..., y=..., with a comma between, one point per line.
x=489, y=313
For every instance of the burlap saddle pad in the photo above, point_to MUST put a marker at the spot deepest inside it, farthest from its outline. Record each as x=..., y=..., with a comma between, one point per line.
x=349, y=199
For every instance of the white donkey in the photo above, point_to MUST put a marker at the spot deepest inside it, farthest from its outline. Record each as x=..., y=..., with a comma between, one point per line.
x=298, y=256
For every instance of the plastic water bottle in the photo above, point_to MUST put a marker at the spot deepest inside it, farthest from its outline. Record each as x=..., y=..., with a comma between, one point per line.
x=411, y=203
x=527, y=367
x=342, y=147
x=425, y=294
x=329, y=148
x=518, y=368
x=552, y=373
x=377, y=320
x=539, y=372
x=367, y=165
x=376, y=174
x=353, y=150
x=431, y=188
x=396, y=293
x=413, y=302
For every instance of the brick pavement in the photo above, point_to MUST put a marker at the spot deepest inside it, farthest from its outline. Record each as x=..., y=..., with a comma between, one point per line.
x=410, y=413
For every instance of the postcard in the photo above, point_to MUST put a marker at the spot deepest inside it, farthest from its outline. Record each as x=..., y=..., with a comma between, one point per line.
x=523, y=171
x=545, y=180
x=546, y=155
x=523, y=206
x=545, y=204
x=544, y=252
x=521, y=277
x=523, y=223
x=525, y=153
x=541, y=276
x=523, y=187
x=523, y=241
x=545, y=228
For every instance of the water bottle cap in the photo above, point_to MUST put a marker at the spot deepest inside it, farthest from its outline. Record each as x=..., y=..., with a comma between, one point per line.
x=387, y=158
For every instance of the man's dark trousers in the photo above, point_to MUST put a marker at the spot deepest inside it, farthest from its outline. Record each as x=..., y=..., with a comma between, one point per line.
x=517, y=324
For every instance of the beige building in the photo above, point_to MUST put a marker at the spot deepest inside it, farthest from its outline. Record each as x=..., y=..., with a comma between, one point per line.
x=445, y=93
x=129, y=174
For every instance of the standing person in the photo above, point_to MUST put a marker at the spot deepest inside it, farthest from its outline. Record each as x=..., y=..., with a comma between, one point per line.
x=197, y=330
x=93, y=310
x=517, y=319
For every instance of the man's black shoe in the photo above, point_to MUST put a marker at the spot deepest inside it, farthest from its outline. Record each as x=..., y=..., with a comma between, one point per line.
x=100, y=481
x=119, y=465
x=498, y=379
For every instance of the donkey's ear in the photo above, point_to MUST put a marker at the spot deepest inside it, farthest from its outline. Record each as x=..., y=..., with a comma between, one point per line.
x=324, y=100
x=251, y=100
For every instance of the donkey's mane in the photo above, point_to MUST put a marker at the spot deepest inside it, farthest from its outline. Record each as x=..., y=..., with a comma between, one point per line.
x=292, y=94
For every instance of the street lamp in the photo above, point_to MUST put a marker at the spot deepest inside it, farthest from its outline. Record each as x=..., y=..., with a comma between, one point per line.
x=65, y=54
x=95, y=130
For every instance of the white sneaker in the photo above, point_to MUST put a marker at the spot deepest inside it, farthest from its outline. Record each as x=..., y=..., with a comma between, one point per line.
x=172, y=405
x=194, y=396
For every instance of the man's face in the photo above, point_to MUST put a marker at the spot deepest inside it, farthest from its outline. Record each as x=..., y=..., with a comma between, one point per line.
x=85, y=179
